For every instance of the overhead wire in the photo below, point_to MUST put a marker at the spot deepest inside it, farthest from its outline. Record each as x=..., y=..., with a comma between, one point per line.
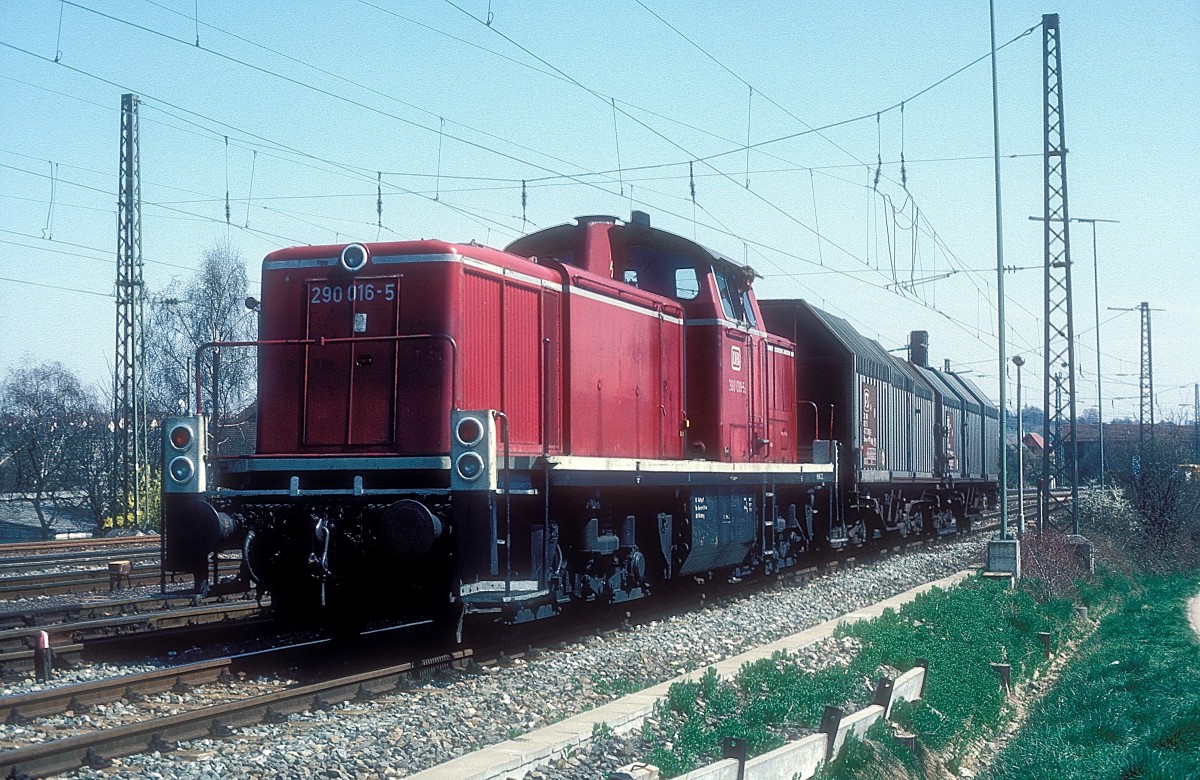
x=903, y=168
x=918, y=221
x=575, y=178
x=335, y=95
x=107, y=252
x=748, y=145
x=294, y=81
x=58, y=287
x=361, y=172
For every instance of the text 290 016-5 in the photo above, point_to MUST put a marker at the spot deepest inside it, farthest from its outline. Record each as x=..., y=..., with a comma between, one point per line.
x=337, y=293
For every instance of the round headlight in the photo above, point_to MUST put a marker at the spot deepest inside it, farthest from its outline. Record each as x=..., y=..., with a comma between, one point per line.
x=181, y=469
x=354, y=257
x=181, y=437
x=469, y=466
x=469, y=431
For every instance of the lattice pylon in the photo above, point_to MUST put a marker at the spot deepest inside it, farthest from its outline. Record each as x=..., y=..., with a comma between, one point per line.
x=1146, y=384
x=1060, y=455
x=128, y=476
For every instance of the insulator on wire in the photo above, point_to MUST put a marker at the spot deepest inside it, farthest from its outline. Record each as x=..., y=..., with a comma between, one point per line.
x=250, y=192
x=903, y=170
x=379, y=199
x=692, y=181
x=524, y=202
x=749, y=115
x=227, y=180
x=437, y=191
x=878, y=152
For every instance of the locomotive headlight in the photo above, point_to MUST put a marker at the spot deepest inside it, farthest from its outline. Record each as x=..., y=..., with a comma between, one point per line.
x=469, y=466
x=181, y=437
x=469, y=431
x=354, y=257
x=181, y=469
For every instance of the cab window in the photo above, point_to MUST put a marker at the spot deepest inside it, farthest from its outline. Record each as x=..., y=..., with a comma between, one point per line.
x=726, y=297
x=664, y=273
x=735, y=302
x=748, y=310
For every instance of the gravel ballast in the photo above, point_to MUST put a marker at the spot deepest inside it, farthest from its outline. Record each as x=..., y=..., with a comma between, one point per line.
x=400, y=734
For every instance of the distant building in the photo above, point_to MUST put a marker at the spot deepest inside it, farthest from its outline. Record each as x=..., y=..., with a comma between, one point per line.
x=1120, y=439
x=1033, y=441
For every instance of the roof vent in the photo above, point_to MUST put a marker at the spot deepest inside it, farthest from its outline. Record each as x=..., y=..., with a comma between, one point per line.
x=592, y=219
x=639, y=218
x=918, y=348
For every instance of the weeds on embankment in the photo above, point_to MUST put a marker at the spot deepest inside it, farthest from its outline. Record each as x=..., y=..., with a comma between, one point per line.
x=960, y=632
x=1128, y=703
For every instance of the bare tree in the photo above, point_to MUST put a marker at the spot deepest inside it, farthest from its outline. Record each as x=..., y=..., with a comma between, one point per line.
x=45, y=409
x=208, y=307
x=1165, y=498
x=93, y=449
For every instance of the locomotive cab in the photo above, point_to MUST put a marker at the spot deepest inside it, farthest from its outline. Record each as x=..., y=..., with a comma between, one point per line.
x=739, y=378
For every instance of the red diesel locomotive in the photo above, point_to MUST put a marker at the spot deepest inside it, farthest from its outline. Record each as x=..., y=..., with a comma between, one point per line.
x=446, y=429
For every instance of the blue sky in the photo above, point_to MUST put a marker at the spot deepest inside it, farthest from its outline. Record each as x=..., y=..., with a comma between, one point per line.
x=599, y=108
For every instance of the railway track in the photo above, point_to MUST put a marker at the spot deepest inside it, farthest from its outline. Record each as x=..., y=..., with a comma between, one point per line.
x=97, y=749
x=95, y=610
x=132, y=687
x=71, y=639
x=75, y=545
x=11, y=565
x=91, y=580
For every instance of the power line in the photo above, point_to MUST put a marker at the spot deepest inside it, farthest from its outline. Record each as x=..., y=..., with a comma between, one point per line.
x=291, y=58
x=55, y=287
x=772, y=205
x=295, y=81
x=314, y=88
x=358, y=103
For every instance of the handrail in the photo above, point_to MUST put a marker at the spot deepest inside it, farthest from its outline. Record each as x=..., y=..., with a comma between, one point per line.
x=507, y=505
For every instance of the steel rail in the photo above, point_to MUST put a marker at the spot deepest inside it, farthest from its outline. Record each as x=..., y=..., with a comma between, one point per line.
x=98, y=748
x=43, y=617
x=19, y=563
x=54, y=701
x=33, y=585
x=124, y=625
x=131, y=687
x=13, y=548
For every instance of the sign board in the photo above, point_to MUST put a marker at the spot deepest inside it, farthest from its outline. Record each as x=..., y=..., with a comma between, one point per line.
x=870, y=429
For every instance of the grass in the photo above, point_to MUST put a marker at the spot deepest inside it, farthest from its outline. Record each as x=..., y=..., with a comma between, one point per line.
x=621, y=686
x=960, y=631
x=877, y=757
x=1128, y=705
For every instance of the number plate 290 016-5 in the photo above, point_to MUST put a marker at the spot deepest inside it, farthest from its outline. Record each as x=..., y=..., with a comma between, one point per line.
x=350, y=292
